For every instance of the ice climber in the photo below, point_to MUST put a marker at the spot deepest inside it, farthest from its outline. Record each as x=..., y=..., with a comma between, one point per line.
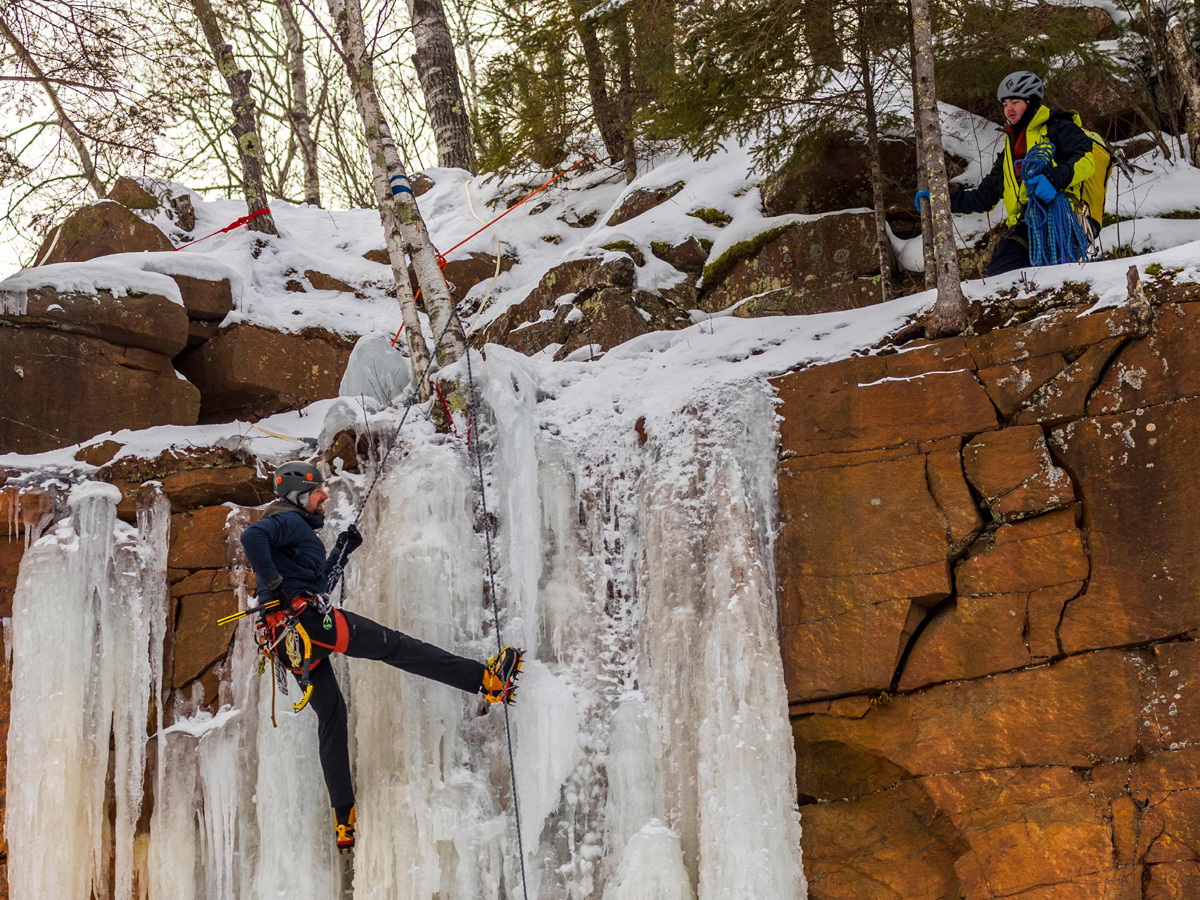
x=1029, y=122
x=291, y=567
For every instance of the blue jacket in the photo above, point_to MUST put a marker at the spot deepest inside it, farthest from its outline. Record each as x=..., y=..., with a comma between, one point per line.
x=284, y=544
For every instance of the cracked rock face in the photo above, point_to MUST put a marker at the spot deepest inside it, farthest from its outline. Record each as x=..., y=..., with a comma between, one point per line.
x=989, y=577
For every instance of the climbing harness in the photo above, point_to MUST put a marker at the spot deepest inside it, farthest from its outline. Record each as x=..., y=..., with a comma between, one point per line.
x=1055, y=233
x=237, y=223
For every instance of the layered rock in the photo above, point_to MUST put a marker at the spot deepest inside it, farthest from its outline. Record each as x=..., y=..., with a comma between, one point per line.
x=990, y=623
x=98, y=362
x=247, y=371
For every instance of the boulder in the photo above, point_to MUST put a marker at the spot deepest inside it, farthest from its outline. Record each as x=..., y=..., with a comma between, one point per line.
x=90, y=386
x=642, y=200
x=204, y=299
x=687, y=256
x=248, y=371
x=464, y=273
x=132, y=195
x=837, y=175
x=191, y=477
x=99, y=230
x=821, y=265
x=322, y=282
x=584, y=303
x=148, y=321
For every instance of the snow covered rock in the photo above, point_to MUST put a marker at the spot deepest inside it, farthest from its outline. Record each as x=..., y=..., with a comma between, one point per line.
x=375, y=369
x=148, y=321
x=589, y=303
x=190, y=477
x=98, y=230
x=247, y=371
x=642, y=200
x=819, y=265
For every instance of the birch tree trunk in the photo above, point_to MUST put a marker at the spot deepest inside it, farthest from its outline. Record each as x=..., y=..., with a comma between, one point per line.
x=245, y=125
x=298, y=107
x=1187, y=72
x=605, y=109
x=437, y=70
x=404, y=229
x=949, y=314
x=927, y=254
x=882, y=244
x=86, y=164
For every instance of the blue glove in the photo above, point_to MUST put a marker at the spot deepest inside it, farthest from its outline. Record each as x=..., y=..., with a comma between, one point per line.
x=1041, y=188
x=918, y=196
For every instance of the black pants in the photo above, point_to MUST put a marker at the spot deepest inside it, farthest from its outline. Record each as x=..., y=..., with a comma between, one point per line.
x=370, y=640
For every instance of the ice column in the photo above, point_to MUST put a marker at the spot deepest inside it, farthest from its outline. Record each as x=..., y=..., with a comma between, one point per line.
x=88, y=601
x=427, y=804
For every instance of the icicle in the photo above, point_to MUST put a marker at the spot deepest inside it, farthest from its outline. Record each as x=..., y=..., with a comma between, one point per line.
x=13, y=303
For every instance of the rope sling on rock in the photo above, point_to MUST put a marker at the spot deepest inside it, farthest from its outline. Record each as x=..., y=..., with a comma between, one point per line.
x=1056, y=235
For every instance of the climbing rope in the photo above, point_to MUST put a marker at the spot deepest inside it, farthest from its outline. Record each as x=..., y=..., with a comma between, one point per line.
x=487, y=534
x=237, y=223
x=1056, y=235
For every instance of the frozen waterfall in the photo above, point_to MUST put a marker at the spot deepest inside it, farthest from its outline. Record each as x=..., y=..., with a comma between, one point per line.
x=653, y=755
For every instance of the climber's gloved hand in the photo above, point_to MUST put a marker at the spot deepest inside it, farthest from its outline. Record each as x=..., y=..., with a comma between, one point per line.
x=917, y=198
x=347, y=542
x=275, y=597
x=1041, y=188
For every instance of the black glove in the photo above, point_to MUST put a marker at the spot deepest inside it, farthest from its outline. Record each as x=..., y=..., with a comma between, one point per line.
x=347, y=542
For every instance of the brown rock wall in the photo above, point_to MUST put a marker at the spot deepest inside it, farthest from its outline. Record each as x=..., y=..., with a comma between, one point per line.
x=1025, y=724
x=247, y=371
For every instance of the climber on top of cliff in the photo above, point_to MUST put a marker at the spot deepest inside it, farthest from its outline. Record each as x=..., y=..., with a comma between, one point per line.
x=1029, y=122
x=297, y=620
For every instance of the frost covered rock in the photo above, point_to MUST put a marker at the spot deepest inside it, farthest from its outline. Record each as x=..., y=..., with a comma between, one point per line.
x=98, y=230
x=248, y=371
x=815, y=266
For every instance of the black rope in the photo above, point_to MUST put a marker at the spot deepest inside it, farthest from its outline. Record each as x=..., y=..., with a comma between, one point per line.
x=487, y=533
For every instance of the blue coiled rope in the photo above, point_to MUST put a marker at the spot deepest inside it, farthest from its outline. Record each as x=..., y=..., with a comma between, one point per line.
x=1055, y=233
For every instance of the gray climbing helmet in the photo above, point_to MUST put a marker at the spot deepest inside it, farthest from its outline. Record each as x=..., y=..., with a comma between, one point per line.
x=296, y=476
x=1021, y=86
